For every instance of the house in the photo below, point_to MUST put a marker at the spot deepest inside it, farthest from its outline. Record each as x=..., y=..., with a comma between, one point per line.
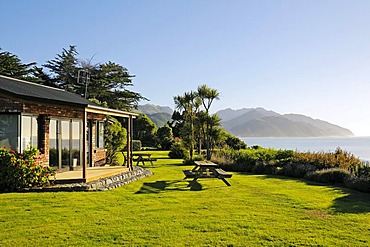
x=67, y=128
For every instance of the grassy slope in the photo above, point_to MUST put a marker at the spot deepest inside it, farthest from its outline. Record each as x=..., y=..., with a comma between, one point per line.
x=161, y=210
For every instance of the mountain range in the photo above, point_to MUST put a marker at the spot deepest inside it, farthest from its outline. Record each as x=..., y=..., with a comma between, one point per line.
x=258, y=122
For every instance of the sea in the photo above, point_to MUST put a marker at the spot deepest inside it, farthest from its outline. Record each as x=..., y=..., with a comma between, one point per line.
x=358, y=146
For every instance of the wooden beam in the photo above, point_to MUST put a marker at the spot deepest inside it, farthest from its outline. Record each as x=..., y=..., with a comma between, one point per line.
x=129, y=142
x=84, y=146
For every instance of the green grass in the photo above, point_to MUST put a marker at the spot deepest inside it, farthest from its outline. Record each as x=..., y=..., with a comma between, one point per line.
x=161, y=210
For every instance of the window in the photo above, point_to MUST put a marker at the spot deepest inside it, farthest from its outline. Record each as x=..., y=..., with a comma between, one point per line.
x=65, y=143
x=100, y=134
x=9, y=132
x=28, y=131
x=65, y=139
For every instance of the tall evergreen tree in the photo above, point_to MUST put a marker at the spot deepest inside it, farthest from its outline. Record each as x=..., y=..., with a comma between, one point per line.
x=105, y=82
x=109, y=82
x=12, y=66
x=64, y=69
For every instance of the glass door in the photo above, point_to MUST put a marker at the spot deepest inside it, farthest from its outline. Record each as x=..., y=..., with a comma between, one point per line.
x=65, y=142
x=54, y=144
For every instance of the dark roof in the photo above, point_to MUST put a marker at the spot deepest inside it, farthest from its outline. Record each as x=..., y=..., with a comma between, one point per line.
x=33, y=91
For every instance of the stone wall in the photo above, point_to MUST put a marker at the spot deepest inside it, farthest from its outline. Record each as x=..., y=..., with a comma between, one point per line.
x=100, y=184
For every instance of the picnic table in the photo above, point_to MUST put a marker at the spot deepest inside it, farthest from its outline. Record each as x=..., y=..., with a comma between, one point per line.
x=206, y=169
x=143, y=158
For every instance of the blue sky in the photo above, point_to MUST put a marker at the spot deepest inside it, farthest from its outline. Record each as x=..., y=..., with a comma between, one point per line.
x=309, y=57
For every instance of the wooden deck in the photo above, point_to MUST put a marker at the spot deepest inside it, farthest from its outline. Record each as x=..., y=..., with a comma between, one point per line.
x=93, y=173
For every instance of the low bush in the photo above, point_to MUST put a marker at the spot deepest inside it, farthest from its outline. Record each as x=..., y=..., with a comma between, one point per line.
x=20, y=170
x=264, y=168
x=330, y=176
x=360, y=183
x=362, y=169
x=297, y=170
x=246, y=160
x=136, y=145
x=326, y=160
x=339, y=167
x=178, y=151
x=188, y=161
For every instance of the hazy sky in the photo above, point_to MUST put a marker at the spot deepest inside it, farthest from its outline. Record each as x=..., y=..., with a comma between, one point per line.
x=309, y=57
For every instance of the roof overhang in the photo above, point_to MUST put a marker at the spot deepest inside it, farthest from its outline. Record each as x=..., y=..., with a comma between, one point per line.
x=110, y=112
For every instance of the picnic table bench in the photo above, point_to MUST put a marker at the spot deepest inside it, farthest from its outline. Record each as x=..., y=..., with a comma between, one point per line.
x=139, y=158
x=143, y=158
x=206, y=169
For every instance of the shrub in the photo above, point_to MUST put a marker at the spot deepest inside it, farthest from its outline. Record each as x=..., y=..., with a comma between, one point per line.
x=189, y=161
x=322, y=160
x=331, y=167
x=330, y=176
x=361, y=170
x=360, y=183
x=234, y=142
x=115, y=139
x=178, y=151
x=165, y=137
x=20, y=170
x=136, y=145
x=297, y=170
x=264, y=168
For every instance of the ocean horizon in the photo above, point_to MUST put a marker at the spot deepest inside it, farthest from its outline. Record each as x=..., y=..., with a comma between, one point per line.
x=356, y=145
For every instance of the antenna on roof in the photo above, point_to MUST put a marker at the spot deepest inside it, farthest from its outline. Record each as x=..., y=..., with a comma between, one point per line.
x=85, y=75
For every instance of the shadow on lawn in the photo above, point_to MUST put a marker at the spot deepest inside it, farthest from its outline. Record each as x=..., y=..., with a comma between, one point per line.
x=352, y=201
x=168, y=185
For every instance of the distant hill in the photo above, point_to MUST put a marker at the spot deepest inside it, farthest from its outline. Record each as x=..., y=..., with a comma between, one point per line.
x=152, y=109
x=251, y=114
x=160, y=119
x=258, y=122
x=158, y=114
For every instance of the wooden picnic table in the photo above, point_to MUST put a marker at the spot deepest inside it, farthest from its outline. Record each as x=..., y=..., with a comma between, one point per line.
x=142, y=157
x=206, y=169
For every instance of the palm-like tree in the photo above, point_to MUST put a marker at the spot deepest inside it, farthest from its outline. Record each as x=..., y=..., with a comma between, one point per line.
x=189, y=103
x=207, y=95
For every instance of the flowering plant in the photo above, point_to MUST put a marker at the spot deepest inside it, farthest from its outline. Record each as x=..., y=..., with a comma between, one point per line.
x=21, y=170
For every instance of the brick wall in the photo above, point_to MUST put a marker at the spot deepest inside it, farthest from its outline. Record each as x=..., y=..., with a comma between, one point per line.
x=98, y=154
x=8, y=105
x=45, y=111
x=53, y=110
x=43, y=123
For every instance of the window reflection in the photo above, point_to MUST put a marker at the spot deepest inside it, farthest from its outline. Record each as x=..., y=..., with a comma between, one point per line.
x=28, y=132
x=65, y=144
x=53, y=144
x=9, y=134
x=100, y=134
x=76, y=143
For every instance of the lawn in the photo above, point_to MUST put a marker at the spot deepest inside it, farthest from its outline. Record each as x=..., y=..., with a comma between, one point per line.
x=161, y=210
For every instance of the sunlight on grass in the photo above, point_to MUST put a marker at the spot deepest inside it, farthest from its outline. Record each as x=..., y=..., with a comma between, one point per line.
x=161, y=210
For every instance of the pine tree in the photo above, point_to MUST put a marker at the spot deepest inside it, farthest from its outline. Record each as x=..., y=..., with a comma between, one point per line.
x=11, y=66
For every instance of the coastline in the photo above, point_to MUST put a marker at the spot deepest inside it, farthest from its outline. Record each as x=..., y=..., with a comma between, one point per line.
x=356, y=145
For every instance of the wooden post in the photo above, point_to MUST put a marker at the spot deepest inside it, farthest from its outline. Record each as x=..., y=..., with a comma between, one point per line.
x=129, y=143
x=84, y=146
